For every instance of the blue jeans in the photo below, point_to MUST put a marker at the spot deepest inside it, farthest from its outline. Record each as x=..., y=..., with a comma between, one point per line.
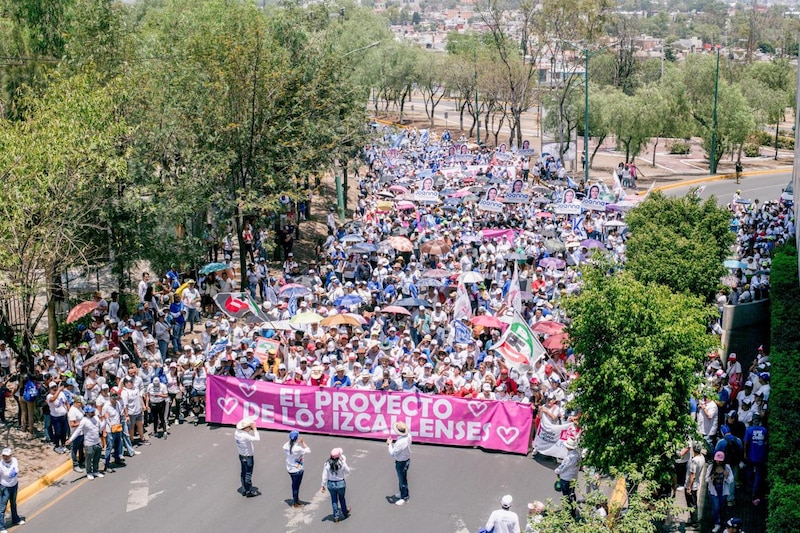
x=193, y=317
x=77, y=451
x=717, y=503
x=177, y=333
x=246, y=475
x=401, y=467
x=162, y=347
x=9, y=495
x=113, y=447
x=297, y=478
x=127, y=445
x=60, y=426
x=337, y=489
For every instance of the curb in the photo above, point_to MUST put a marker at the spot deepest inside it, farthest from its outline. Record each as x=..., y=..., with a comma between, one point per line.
x=29, y=491
x=717, y=177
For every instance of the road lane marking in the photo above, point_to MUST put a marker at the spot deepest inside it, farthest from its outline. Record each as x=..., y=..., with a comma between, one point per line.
x=297, y=517
x=138, y=494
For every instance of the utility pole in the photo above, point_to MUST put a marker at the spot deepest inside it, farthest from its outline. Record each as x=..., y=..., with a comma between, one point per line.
x=477, y=109
x=712, y=167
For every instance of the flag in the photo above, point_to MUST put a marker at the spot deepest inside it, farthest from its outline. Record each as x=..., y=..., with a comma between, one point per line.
x=292, y=305
x=617, y=185
x=519, y=346
x=232, y=304
x=462, y=307
x=513, y=298
x=217, y=347
x=424, y=137
x=462, y=334
x=652, y=185
x=699, y=191
x=256, y=310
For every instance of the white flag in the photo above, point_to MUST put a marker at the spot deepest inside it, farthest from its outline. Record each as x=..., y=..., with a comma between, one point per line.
x=462, y=307
x=519, y=346
x=513, y=299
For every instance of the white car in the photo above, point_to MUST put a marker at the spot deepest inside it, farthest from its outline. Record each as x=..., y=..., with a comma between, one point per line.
x=787, y=196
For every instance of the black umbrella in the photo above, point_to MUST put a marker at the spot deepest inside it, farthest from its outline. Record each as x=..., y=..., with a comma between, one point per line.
x=412, y=302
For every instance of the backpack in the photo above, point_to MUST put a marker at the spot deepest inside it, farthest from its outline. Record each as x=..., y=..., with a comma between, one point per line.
x=30, y=391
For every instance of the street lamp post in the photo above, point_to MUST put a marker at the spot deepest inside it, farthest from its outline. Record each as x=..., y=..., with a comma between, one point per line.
x=713, y=163
x=477, y=109
x=586, y=119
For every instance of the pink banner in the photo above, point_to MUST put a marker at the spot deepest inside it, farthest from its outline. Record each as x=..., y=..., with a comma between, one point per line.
x=498, y=234
x=493, y=425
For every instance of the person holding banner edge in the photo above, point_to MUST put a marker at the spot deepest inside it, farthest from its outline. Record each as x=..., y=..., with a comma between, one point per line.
x=295, y=449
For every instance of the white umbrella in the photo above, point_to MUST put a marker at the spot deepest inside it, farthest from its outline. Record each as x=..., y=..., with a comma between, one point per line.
x=471, y=277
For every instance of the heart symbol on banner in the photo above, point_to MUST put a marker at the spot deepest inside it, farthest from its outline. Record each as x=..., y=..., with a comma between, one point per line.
x=477, y=408
x=507, y=434
x=227, y=404
x=248, y=389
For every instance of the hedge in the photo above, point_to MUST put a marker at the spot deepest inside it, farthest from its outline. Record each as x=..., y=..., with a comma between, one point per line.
x=784, y=419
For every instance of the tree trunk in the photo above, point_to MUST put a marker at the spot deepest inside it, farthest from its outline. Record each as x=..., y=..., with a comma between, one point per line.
x=238, y=224
x=596, y=148
x=654, y=151
x=54, y=282
x=777, y=125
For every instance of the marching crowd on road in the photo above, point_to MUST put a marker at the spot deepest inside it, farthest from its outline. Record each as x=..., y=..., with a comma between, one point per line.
x=449, y=244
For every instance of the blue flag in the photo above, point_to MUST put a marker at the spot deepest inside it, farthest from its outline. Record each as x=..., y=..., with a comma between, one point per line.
x=293, y=305
x=461, y=333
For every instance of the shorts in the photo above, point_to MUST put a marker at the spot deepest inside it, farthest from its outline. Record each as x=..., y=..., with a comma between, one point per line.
x=196, y=393
x=137, y=418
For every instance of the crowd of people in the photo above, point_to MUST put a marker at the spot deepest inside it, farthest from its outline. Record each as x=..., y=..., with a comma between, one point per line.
x=412, y=294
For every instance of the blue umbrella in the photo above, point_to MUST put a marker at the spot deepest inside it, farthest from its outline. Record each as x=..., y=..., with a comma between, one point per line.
x=348, y=300
x=294, y=292
x=213, y=267
x=364, y=247
x=734, y=264
x=351, y=238
x=412, y=302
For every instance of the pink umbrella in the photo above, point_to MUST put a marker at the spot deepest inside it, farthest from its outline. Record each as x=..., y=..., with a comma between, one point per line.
x=398, y=189
x=556, y=342
x=81, y=310
x=592, y=243
x=543, y=214
x=548, y=327
x=405, y=206
x=401, y=244
x=461, y=193
x=435, y=247
x=436, y=273
x=487, y=321
x=552, y=262
x=396, y=309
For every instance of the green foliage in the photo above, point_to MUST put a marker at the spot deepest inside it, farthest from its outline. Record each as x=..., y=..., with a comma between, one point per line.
x=784, y=446
x=679, y=148
x=642, y=349
x=679, y=242
x=751, y=150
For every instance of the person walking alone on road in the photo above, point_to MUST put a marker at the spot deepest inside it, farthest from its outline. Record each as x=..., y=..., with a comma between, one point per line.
x=246, y=434
x=567, y=473
x=295, y=450
x=333, y=477
x=503, y=520
x=9, y=484
x=401, y=452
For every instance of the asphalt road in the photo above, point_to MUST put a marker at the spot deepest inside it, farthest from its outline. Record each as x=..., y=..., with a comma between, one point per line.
x=189, y=483
x=764, y=187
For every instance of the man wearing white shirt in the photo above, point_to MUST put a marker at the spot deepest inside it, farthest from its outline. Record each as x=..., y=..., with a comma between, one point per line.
x=246, y=434
x=401, y=452
x=503, y=520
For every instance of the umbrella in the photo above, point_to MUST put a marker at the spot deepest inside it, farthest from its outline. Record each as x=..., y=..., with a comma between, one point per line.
x=548, y=233
x=396, y=310
x=543, y=214
x=552, y=262
x=398, y=189
x=452, y=201
x=450, y=208
x=592, y=243
x=363, y=247
x=386, y=194
x=81, y=310
x=435, y=247
x=470, y=198
x=401, y=244
x=461, y=193
x=540, y=189
x=405, y=206
x=424, y=283
x=385, y=206
x=213, y=267
x=412, y=302
x=294, y=290
x=353, y=225
x=99, y=358
x=487, y=321
x=471, y=277
x=554, y=245
x=279, y=325
x=515, y=256
x=743, y=201
x=733, y=264
x=761, y=272
x=615, y=224
x=540, y=200
x=351, y=238
x=347, y=300
x=340, y=320
x=556, y=342
x=309, y=317
x=438, y=273
x=548, y=327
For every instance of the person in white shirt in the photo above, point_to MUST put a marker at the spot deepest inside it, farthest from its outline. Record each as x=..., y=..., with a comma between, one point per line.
x=134, y=409
x=5, y=359
x=191, y=301
x=295, y=449
x=504, y=520
x=246, y=434
x=57, y=401
x=333, y=477
x=143, y=285
x=90, y=427
x=401, y=452
x=74, y=417
x=9, y=484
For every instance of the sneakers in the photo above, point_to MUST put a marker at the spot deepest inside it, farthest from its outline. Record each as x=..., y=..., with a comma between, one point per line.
x=397, y=496
x=730, y=503
x=78, y=469
x=137, y=452
x=20, y=522
x=99, y=474
x=60, y=449
x=716, y=529
x=90, y=477
x=401, y=501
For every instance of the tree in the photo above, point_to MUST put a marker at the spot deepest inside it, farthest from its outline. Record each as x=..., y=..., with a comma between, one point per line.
x=641, y=349
x=679, y=242
x=431, y=78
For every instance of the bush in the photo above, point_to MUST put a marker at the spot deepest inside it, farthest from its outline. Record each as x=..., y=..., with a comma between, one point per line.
x=784, y=424
x=786, y=143
x=751, y=150
x=680, y=148
x=761, y=138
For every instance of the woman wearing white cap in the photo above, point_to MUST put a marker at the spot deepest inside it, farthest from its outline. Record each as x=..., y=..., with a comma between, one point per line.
x=503, y=520
x=295, y=449
x=333, y=477
x=9, y=483
x=246, y=434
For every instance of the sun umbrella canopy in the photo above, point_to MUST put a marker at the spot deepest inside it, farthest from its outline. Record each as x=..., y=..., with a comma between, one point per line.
x=340, y=320
x=309, y=317
x=471, y=277
x=424, y=283
x=213, y=267
x=487, y=321
x=405, y=205
x=734, y=264
x=401, y=244
x=396, y=310
x=99, y=358
x=552, y=262
x=437, y=273
x=81, y=310
x=351, y=238
x=556, y=342
x=554, y=245
x=294, y=290
x=348, y=300
x=435, y=247
x=548, y=327
x=412, y=302
x=398, y=189
x=592, y=243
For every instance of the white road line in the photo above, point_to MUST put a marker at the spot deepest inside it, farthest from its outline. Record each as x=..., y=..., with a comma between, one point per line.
x=461, y=527
x=138, y=494
x=303, y=516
